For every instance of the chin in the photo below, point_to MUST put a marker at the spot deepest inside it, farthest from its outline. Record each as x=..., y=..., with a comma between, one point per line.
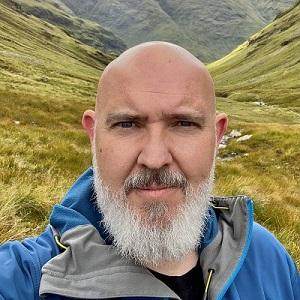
x=156, y=214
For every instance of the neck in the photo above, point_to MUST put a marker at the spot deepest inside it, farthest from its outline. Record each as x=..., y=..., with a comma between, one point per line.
x=176, y=268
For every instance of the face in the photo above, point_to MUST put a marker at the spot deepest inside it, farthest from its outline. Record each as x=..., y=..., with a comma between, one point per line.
x=156, y=118
x=150, y=122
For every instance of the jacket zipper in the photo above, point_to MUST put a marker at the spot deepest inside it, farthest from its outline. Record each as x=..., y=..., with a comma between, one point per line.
x=208, y=281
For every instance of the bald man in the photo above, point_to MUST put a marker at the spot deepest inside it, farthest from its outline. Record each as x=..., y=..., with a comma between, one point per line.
x=142, y=222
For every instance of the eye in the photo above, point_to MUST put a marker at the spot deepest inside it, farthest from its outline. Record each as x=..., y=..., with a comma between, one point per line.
x=185, y=123
x=125, y=124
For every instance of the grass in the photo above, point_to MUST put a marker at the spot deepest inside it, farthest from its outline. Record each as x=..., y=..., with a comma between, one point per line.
x=269, y=174
x=37, y=166
x=48, y=80
x=266, y=67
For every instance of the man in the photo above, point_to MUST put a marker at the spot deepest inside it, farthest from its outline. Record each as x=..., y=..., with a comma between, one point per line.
x=142, y=223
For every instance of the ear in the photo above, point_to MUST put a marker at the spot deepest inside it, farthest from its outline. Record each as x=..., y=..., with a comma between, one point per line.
x=88, y=123
x=221, y=126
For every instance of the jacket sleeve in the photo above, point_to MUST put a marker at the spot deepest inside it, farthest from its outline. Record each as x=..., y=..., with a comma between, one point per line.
x=277, y=267
x=296, y=283
x=21, y=263
x=268, y=271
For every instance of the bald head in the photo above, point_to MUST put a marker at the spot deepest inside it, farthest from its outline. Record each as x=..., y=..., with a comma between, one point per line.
x=157, y=67
x=155, y=110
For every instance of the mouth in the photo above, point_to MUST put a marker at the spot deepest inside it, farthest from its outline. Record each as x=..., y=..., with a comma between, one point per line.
x=155, y=191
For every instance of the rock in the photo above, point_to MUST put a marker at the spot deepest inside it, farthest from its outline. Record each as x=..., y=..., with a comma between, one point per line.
x=225, y=139
x=260, y=103
x=227, y=158
x=244, y=138
x=231, y=156
x=222, y=146
x=234, y=133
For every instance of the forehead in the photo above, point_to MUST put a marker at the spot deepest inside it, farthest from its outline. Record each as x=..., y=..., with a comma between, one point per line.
x=150, y=87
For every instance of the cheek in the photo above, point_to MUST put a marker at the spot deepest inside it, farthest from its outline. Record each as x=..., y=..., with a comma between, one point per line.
x=115, y=161
x=195, y=158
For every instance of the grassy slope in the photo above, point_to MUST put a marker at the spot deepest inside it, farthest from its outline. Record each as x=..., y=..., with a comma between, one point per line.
x=47, y=81
x=209, y=29
x=265, y=69
x=86, y=31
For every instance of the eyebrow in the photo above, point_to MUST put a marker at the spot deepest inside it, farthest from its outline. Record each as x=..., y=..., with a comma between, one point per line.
x=190, y=116
x=118, y=117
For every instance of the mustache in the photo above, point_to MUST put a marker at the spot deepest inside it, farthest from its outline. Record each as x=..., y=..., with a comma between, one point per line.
x=161, y=177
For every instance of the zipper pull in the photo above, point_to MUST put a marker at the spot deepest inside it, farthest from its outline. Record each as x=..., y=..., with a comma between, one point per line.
x=59, y=244
x=210, y=273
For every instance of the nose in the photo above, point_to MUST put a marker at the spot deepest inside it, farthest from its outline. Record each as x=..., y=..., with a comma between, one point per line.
x=155, y=152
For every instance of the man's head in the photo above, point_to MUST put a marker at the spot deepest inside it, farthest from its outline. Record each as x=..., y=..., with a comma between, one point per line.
x=154, y=135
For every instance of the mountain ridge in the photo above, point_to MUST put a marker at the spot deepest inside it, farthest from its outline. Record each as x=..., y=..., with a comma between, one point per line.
x=208, y=29
x=86, y=31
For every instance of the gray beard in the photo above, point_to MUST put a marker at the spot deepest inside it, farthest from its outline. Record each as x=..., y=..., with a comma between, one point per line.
x=148, y=240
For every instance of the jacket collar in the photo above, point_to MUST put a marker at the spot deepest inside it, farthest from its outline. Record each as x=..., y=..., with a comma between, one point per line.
x=91, y=268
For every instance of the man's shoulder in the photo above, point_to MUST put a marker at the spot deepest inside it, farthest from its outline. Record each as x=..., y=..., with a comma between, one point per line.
x=266, y=254
x=265, y=242
x=21, y=263
x=268, y=270
x=262, y=235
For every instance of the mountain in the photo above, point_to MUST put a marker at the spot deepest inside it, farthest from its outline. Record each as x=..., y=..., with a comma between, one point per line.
x=209, y=29
x=40, y=63
x=48, y=78
x=86, y=31
x=266, y=68
x=267, y=9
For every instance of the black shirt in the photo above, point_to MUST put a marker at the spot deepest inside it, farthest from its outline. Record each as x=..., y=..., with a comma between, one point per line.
x=189, y=286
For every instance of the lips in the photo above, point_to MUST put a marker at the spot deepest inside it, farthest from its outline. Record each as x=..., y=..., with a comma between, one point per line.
x=155, y=191
x=156, y=187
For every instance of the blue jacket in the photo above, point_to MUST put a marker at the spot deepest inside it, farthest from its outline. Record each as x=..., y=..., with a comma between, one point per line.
x=73, y=257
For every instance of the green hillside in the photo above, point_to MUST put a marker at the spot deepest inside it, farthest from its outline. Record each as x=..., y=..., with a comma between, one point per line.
x=48, y=78
x=37, y=58
x=258, y=86
x=209, y=29
x=265, y=68
x=58, y=14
